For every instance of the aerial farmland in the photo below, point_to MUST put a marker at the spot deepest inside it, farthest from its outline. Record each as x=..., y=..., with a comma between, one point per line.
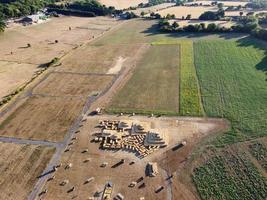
x=111, y=108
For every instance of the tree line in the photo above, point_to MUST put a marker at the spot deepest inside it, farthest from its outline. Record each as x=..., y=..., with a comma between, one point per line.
x=18, y=8
x=86, y=8
x=246, y=24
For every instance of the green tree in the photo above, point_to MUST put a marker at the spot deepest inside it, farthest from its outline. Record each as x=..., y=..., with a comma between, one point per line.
x=2, y=25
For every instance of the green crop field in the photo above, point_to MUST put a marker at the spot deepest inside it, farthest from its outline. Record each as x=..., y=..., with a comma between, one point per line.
x=233, y=84
x=230, y=176
x=190, y=102
x=154, y=85
x=259, y=151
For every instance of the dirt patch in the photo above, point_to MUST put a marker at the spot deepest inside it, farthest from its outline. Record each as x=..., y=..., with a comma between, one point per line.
x=118, y=66
x=42, y=118
x=178, y=129
x=71, y=84
x=20, y=167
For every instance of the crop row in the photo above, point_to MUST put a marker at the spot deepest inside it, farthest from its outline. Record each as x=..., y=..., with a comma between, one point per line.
x=229, y=176
x=259, y=151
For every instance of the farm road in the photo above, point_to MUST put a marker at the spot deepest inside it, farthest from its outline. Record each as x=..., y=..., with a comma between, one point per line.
x=30, y=142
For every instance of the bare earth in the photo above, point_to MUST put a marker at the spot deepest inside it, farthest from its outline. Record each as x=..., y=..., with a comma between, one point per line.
x=178, y=130
x=19, y=167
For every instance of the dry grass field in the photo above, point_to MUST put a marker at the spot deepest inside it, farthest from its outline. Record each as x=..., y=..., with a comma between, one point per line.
x=20, y=165
x=154, y=85
x=69, y=84
x=178, y=129
x=42, y=118
x=97, y=59
x=226, y=3
x=183, y=11
x=13, y=75
x=19, y=66
x=182, y=23
x=153, y=8
x=122, y=4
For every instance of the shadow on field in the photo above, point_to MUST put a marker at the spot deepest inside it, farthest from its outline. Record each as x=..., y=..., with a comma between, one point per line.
x=154, y=30
x=257, y=44
x=243, y=40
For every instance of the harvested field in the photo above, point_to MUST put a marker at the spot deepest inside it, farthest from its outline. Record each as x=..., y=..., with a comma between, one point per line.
x=122, y=4
x=153, y=8
x=20, y=167
x=18, y=63
x=154, y=85
x=13, y=75
x=179, y=129
x=42, y=38
x=237, y=13
x=69, y=84
x=182, y=23
x=97, y=59
x=183, y=11
x=42, y=118
x=226, y=3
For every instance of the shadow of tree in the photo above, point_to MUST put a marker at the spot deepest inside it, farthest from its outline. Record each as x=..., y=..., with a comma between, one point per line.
x=257, y=44
x=244, y=40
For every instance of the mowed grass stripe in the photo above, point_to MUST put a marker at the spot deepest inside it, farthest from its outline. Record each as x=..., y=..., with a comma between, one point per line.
x=154, y=85
x=232, y=84
x=190, y=101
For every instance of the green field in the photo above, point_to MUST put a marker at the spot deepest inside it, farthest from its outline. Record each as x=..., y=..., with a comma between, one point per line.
x=233, y=85
x=190, y=102
x=154, y=85
x=259, y=152
x=230, y=176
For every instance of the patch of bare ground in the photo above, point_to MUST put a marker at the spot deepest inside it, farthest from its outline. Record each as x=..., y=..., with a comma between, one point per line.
x=42, y=118
x=87, y=164
x=20, y=165
x=71, y=84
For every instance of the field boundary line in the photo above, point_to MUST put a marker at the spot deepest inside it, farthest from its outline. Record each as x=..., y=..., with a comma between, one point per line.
x=28, y=141
x=82, y=74
x=18, y=62
x=198, y=84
